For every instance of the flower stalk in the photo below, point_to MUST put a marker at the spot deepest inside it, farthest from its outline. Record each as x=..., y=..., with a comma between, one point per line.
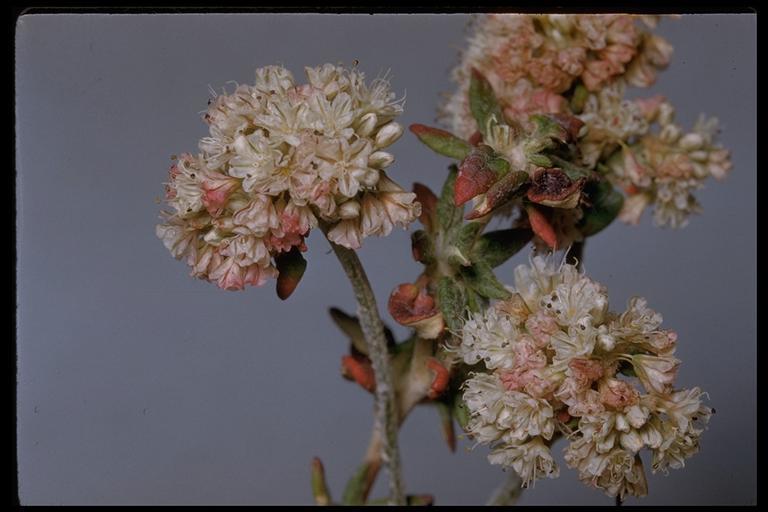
x=385, y=407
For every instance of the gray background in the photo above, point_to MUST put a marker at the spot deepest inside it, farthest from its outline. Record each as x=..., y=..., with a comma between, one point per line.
x=140, y=385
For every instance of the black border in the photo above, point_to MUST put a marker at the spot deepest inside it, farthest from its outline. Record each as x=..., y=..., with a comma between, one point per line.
x=632, y=7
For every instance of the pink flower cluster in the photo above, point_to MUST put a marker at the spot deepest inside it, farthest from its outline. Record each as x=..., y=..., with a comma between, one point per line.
x=532, y=60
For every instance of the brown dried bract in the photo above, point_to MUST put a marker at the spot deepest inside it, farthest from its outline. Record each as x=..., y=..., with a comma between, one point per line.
x=552, y=187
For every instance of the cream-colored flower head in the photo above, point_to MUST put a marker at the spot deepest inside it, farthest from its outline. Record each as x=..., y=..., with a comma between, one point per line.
x=556, y=359
x=665, y=167
x=532, y=60
x=280, y=158
x=610, y=120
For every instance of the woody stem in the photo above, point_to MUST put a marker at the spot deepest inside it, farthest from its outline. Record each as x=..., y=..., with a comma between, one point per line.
x=385, y=408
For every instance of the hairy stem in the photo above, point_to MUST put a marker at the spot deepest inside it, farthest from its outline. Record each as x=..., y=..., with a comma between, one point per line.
x=386, y=416
x=508, y=492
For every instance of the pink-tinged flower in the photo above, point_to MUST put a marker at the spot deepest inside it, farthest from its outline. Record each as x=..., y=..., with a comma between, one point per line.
x=665, y=169
x=553, y=354
x=541, y=326
x=400, y=206
x=530, y=460
x=719, y=163
x=585, y=371
x=597, y=72
x=228, y=275
x=685, y=408
x=641, y=73
x=657, y=50
x=285, y=242
x=617, y=55
x=545, y=72
x=638, y=174
x=584, y=403
x=260, y=216
x=633, y=207
x=618, y=394
x=649, y=107
x=346, y=233
x=520, y=54
x=657, y=373
x=217, y=190
x=281, y=156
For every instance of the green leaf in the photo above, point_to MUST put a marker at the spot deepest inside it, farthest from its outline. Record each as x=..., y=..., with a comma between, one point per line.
x=461, y=412
x=446, y=424
x=357, y=487
x=540, y=160
x=447, y=213
x=441, y=141
x=452, y=303
x=319, y=486
x=496, y=247
x=573, y=171
x=499, y=165
x=291, y=266
x=475, y=301
x=465, y=239
x=350, y=326
x=422, y=247
x=606, y=205
x=545, y=125
x=482, y=101
x=481, y=279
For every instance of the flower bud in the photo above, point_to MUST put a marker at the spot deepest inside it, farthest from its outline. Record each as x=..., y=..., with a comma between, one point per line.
x=213, y=237
x=666, y=113
x=691, y=141
x=606, y=341
x=367, y=124
x=388, y=135
x=670, y=133
x=349, y=210
x=631, y=441
x=697, y=156
x=380, y=160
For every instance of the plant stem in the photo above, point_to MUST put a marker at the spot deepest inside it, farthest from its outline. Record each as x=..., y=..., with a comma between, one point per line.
x=385, y=407
x=508, y=492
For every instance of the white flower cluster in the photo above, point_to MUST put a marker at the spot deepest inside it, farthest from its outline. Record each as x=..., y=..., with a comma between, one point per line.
x=558, y=362
x=611, y=120
x=666, y=167
x=280, y=158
